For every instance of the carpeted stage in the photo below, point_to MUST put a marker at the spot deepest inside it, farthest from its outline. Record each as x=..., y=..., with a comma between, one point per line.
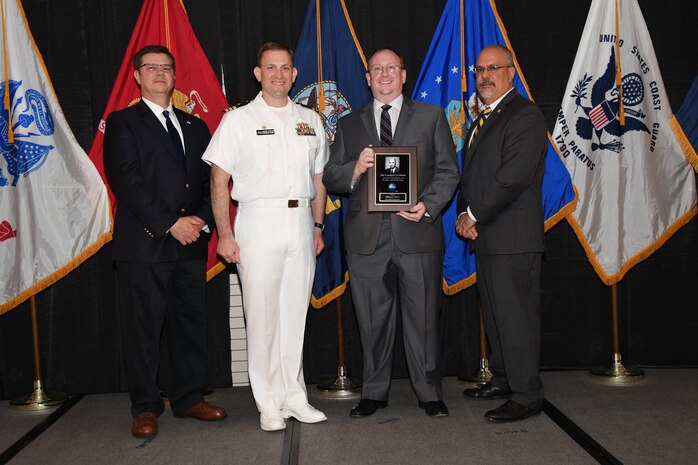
x=654, y=421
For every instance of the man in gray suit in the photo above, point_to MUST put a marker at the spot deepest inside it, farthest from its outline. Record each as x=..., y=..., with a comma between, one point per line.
x=500, y=211
x=395, y=253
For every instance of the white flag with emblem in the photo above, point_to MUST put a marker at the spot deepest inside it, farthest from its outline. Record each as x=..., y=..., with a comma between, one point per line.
x=621, y=143
x=54, y=211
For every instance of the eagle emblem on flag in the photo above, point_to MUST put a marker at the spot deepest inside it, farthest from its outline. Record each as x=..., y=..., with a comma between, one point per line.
x=601, y=111
x=22, y=156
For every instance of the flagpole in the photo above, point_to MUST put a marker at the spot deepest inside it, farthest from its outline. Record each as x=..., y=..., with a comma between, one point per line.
x=38, y=399
x=616, y=372
x=483, y=374
x=342, y=386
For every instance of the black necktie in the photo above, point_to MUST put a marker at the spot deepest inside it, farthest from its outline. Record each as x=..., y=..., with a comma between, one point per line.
x=174, y=135
x=386, y=128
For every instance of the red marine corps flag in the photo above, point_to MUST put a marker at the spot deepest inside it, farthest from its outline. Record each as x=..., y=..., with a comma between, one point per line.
x=197, y=90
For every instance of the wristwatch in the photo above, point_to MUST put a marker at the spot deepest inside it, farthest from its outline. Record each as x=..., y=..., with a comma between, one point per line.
x=320, y=226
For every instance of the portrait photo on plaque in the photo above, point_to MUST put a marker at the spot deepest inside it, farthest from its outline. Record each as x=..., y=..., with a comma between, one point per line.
x=392, y=185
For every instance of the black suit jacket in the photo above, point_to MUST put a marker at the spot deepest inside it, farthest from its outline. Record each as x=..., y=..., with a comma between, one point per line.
x=503, y=176
x=154, y=186
x=420, y=124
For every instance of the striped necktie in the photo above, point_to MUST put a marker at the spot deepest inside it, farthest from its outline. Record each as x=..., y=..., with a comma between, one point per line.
x=386, y=128
x=485, y=113
x=174, y=135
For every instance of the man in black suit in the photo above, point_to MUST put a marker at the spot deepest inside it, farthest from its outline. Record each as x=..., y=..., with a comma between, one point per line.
x=152, y=160
x=390, y=254
x=500, y=211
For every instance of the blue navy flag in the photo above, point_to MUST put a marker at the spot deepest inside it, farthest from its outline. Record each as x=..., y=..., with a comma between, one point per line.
x=331, y=80
x=447, y=79
x=687, y=116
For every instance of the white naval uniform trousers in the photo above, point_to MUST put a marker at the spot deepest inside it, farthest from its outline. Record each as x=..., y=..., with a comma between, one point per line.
x=276, y=269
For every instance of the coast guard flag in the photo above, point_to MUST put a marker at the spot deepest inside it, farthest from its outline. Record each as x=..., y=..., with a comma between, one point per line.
x=687, y=116
x=332, y=81
x=54, y=211
x=197, y=91
x=447, y=79
x=622, y=144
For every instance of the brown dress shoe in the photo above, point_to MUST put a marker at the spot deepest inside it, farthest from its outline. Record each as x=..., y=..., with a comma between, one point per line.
x=145, y=425
x=203, y=411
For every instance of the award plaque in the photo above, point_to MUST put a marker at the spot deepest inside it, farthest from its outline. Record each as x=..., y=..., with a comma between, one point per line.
x=392, y=181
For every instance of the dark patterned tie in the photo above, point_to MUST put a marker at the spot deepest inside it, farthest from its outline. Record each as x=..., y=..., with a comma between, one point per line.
x=386, y=128
x=485, y=113
x=174, y=135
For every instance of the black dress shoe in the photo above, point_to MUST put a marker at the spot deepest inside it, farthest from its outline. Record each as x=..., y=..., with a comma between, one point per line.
x=486, y=391
x=435, y=408
x=367, y=407
x=511, y=411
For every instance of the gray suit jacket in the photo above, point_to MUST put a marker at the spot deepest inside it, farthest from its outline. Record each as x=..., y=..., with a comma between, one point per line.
x=503, y=177
x=420, y=124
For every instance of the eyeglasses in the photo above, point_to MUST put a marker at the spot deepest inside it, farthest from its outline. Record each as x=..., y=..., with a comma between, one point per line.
x=378, y=69
x=154, y=67
x=490, y=68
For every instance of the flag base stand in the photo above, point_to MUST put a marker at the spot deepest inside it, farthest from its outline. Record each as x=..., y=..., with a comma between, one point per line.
x=617, y=373
x=341, y=387
x=38, y=400
x=481, y=376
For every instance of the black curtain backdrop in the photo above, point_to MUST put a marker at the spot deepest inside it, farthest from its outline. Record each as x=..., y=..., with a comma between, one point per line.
x=83, y=42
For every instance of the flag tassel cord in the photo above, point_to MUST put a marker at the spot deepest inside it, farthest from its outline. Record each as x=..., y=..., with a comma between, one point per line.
x=619, y=83
x=6, y=98
x=166, y=14
x=353, y=34
x=318, y=31
x=464, y=76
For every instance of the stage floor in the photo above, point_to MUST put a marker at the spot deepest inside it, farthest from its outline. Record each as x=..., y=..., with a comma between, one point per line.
x=584, y=422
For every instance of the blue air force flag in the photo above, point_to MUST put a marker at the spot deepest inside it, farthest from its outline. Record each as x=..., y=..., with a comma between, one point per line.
x=447, y=79
x=636, y=187
x=54, y=211
x=331, y=80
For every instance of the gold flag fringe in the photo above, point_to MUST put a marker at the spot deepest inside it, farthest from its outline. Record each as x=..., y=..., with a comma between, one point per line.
x=686, y=146
x=609, y=280
x=57, y=275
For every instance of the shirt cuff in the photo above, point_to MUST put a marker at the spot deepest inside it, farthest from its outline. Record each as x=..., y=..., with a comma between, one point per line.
x=470, y=214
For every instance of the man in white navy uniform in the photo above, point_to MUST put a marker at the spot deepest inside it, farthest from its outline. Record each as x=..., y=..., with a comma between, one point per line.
x=275, y=151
